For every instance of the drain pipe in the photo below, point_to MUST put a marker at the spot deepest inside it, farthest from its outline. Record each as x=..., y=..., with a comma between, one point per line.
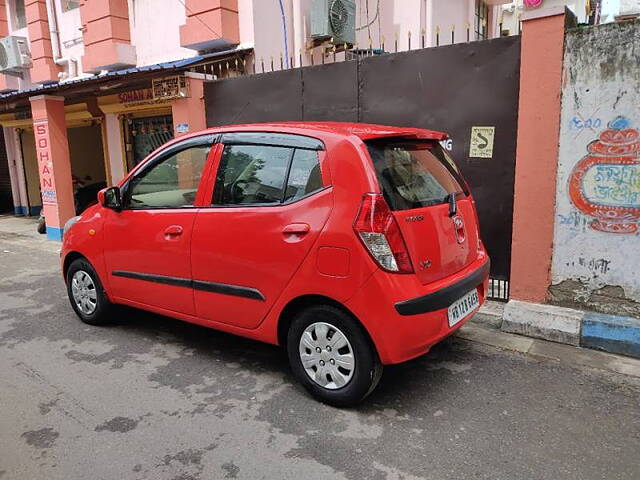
x=284, y=30
x=58, y=59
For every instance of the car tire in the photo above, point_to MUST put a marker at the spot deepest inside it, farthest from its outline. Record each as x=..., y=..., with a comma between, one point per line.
x=332, y=356
x=86, y=293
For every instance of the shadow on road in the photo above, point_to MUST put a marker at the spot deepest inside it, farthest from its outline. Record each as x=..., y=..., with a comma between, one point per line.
x=412, y=381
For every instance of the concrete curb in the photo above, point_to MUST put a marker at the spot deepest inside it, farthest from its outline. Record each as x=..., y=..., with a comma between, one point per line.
x=610, y=333
x=490, y=314
x=542, y=349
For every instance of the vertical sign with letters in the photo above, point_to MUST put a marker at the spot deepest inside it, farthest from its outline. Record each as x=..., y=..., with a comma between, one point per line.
x=45, y=163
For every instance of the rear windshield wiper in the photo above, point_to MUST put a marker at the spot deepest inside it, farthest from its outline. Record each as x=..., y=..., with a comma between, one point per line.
x=453, y=206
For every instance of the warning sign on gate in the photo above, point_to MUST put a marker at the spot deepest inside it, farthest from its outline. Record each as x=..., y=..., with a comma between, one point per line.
x=481, y=144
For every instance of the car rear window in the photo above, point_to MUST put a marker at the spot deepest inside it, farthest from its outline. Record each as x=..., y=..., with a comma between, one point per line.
x=414, y=174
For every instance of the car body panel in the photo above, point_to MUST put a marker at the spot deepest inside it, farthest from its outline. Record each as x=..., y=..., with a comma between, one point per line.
x=400, y=338
x=438, y=245
x=248, y=247
x=137, y=242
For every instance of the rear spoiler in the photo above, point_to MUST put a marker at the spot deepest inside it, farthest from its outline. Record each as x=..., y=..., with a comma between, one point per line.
x=409, y=134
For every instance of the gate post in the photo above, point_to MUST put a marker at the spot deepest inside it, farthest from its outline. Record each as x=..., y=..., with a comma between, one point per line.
x=54, y=162
x=537, y=152
x=189, y=112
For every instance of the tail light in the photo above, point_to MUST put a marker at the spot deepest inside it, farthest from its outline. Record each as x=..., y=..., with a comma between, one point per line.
x=380, y=233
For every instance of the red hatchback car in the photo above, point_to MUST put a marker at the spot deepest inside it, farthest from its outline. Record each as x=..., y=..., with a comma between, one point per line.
x=352, y=245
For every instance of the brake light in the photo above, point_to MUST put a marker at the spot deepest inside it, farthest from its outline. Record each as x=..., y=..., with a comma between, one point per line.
x=380, y=233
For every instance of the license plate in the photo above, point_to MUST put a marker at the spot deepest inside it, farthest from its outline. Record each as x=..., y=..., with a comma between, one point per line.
x=463, y=307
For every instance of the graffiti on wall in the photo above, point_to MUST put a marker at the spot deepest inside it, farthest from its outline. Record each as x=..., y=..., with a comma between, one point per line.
x=605, y=184
x=597, y=226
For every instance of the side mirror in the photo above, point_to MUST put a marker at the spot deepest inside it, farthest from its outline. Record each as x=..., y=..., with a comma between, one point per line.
x=110, y=198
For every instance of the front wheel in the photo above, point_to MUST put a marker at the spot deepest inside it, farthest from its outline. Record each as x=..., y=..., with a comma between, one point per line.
x=331, y=355
x=86, y=294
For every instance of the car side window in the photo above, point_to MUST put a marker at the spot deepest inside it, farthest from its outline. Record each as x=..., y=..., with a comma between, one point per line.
x=251, y=174
x=257, y=175
x=170, y=183
x=304, y=176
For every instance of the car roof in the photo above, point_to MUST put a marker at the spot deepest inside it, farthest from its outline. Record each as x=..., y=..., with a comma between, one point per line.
x=364, y=131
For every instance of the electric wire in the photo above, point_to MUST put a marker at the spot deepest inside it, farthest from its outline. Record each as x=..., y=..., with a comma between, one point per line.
x=374, y=18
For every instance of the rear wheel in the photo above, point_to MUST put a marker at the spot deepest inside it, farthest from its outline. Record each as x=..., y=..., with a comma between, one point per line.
x=331, y=355
x=86, y=294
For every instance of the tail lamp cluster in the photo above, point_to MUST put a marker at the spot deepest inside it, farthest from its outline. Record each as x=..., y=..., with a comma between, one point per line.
x=380, y=234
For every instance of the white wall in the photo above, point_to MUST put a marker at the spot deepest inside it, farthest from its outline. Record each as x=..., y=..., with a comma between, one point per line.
x=445, y=14
x=155, y=31
x=397, y=18
x=261, y=25
x=601, y=85
x=69, y=24
x=510, y=20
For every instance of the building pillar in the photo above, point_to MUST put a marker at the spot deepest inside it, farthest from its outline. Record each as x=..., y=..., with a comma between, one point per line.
x=4, y=31
x=189, y=112
x=537, y=152
x=210, y=24
x=44, y=69
x=16, y=172
x=113, y=139
x=54, y=162
x=106, y=35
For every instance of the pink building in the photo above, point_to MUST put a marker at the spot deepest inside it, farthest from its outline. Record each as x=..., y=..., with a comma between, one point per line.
x=89, y=87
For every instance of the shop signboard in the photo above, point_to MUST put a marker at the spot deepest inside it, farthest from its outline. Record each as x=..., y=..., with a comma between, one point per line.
x=133, y=98
x=170, y=87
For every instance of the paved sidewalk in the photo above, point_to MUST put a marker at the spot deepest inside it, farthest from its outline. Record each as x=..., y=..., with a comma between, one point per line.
x=23, y=231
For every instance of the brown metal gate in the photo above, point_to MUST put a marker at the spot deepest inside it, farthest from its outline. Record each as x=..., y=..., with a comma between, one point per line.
x=451, y=88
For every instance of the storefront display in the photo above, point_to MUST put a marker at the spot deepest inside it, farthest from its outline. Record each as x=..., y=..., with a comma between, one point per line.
x=146, y=134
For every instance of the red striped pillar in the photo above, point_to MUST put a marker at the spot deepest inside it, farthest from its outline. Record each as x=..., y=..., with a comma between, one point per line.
x=106, y=35
x=44, y=68
x=210, y=24
x=54, y=162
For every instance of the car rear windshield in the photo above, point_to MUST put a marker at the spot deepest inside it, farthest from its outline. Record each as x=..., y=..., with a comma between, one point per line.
x=414, y=174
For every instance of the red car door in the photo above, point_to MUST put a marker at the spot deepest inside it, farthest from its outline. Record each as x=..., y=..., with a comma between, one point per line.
x=269, y=205
x=147, y=243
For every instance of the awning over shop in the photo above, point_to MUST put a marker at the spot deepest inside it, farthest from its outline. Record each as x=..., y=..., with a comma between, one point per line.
x=106, y=80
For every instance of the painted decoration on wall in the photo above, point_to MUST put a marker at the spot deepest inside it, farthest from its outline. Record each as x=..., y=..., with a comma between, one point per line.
x=605, y=184
x=532, y=3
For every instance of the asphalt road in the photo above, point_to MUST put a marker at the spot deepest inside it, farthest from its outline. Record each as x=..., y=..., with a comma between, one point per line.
x=154, y=398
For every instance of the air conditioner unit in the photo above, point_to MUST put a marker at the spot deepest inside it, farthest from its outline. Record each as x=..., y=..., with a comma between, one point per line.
x=509, y=8
x=334, y=19
x=14, y=55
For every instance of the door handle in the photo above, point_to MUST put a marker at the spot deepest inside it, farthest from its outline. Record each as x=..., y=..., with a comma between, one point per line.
x=173, y=231
x=296, y=229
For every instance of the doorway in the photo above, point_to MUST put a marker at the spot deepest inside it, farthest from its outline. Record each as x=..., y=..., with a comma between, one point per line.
x=145, y=134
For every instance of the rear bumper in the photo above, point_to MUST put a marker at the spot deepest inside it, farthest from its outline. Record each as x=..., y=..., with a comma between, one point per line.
x=445, y=296
x=421, y=321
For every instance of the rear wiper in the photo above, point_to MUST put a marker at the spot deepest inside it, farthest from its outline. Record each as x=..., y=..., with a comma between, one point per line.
x=453, y=206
